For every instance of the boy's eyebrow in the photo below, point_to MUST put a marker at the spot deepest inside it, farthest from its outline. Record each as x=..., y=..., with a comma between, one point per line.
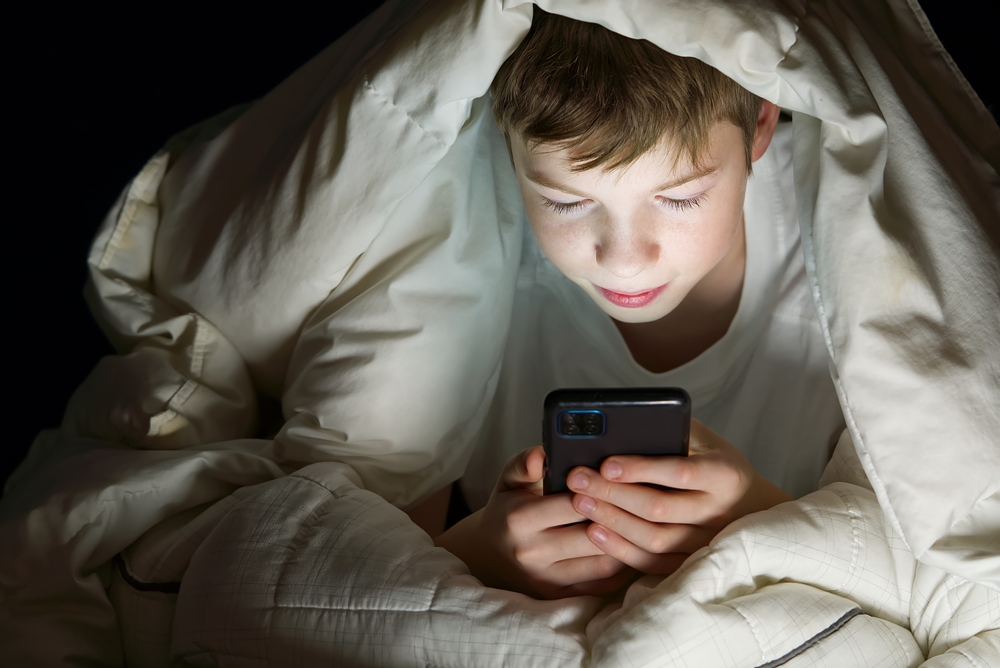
x=537, y=178
x=694, y=176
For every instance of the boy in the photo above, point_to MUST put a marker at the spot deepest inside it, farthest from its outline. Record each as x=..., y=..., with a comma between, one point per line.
x=633, y=166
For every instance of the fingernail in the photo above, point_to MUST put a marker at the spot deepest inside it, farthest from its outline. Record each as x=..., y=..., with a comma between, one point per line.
x=587, y=504
x=599, y=534
x=578, y=481
x=613, y=469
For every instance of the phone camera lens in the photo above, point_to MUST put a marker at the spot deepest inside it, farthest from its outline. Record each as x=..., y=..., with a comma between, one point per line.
x=593, y=423
x=581, y=423
x=568, y=425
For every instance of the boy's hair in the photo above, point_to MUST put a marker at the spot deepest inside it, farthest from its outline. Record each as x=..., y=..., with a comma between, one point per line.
x=609, y=99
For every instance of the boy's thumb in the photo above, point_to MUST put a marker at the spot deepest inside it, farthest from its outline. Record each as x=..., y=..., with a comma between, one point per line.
x=524, y=469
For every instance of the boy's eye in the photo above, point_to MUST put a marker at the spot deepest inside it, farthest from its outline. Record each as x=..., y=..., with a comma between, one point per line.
x=682, y=204
x=564, y=207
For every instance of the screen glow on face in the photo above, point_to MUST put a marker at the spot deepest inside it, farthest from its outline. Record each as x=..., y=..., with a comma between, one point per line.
x=638, y=239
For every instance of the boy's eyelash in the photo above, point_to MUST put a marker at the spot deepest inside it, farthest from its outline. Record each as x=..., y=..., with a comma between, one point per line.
x=684, y=204
x=562, y=207
x=676, y=204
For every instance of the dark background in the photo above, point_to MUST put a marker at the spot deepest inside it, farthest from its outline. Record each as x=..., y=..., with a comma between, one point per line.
x=91, y=92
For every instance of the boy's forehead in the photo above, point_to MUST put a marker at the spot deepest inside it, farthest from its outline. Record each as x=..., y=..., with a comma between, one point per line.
x=542, y=162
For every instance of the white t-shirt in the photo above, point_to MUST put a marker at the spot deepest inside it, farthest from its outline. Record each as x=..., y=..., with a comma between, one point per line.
x=764, y=386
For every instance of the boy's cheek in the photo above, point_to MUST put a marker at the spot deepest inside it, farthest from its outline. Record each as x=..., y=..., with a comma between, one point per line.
x=554, y=233
x=567, y=251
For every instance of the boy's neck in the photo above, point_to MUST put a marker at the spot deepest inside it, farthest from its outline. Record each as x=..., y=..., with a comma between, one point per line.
x=698, y=322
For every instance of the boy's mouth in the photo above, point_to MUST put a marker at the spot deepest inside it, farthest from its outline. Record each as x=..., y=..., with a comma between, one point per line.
x=633, y=299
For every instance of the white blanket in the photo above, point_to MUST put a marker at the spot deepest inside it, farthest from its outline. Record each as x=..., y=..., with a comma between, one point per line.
x=311, y=570
x=349, y=243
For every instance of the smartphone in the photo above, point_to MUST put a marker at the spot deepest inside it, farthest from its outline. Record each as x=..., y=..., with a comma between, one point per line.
x=583, y=427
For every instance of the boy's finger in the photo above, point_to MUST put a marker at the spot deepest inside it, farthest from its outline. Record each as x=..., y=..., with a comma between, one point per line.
x=557, y=558
x=676, y=472
x=567, y=542
x=652, y=537
x=583, y=569
x=697, y=471
x=633, y=555
x=655, y=505
x=523, y=469
x=529, y=513
x=703, y=439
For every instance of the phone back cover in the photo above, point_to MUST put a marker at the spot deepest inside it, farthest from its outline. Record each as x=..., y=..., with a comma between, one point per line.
x=638, y=421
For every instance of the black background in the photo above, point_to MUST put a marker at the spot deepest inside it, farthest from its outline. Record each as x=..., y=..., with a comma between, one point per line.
x=91, y=92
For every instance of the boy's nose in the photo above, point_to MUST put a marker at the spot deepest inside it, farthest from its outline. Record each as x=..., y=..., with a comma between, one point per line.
x=627, y=251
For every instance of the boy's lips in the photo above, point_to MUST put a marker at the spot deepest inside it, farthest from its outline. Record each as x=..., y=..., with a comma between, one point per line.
x=631, y=299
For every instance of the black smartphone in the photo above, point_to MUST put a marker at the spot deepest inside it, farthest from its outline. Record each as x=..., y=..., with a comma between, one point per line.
x=584, y=427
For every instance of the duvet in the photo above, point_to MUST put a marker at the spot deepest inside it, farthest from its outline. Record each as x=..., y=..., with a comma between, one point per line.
x=348, y=245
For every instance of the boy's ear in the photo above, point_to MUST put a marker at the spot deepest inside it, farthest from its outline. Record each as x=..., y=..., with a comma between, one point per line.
x=766, y=122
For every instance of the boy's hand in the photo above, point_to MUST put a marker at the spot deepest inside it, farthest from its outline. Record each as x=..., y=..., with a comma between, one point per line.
x=654, y=530
x=524, y=541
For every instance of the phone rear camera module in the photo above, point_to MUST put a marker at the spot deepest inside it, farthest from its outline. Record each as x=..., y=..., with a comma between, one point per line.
x=581, y=423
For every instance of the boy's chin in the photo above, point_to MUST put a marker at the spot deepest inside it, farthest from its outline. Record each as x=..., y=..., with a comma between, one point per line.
x=634, y=316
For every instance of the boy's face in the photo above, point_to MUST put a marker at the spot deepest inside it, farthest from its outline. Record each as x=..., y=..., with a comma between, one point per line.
x=639, y=239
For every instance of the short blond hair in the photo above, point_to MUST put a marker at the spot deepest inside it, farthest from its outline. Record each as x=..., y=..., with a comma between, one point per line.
x=610, y=99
